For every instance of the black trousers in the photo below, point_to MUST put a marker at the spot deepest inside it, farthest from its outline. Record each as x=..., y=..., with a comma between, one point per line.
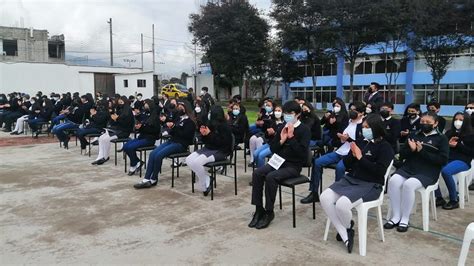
x=268, y=177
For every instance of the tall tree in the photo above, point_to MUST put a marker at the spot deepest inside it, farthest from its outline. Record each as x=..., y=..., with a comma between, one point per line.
x=302, y=26
x=233, y=36
x=442, y=29
x=394, y=22
x=354, y=27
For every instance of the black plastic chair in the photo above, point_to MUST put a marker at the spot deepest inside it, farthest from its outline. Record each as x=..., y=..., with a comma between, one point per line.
x=115, y=141
x=142, y=151
x=229, y=161
x=176, y=157
x=40, y=128
x=292, y=183
x=89, y=137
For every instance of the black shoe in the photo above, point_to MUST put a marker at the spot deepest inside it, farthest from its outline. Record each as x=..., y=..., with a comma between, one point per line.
x=257, y=216
x=338, y=237
x=130, y=173
x=250, y=183
x=440, y=202
x=95, y=162
x=36, y=134
x=208, y=189
x=451, y=205
x=102, y=161
x=265, y=221
x=66, y=144
x=402, y=228
x=145, y=184
x=390, y=225
x=312, y=197
x=350, y=240
x=250, y=165
x=471, y=187
x=14, y=133
x=95, y=143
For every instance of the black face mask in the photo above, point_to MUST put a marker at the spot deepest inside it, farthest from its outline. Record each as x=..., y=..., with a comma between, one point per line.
x=370, y=90
x=353, y=114
x=426, y=128
x=172, y=106
x=384, y=114
x=412, y=116
x=180, y=112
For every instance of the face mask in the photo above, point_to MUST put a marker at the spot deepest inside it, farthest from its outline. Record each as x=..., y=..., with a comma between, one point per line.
x=426, y=128
x=277, y=114
x=209, y=116
x=337, y=109
x=384, y=114
x=44, y=104
x=367, y=133
x=32, y=102
x=236, y=112
x=268, y=109
x=289, y=118
x=172, y=106
x=458, y=124
x=370, y=90
x=197, y=109
x=353, y=114
x=470, y=111
x=412, y=116
x=368, y=110
x=181, y=112
x=139, y=98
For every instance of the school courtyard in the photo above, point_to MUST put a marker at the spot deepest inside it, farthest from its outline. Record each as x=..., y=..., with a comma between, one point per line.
x=56, y=208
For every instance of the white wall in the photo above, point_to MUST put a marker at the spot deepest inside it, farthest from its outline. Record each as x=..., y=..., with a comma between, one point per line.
x=133, y=89
x=202, y=80
x=47, y=77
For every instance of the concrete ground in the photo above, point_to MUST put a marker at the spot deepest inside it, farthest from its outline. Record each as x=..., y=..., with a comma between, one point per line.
x=56, y=208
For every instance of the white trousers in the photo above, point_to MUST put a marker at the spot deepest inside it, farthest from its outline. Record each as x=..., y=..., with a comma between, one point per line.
x=339, y=210
x=254, y=143
x=104, y=145
x=401, y=191
x=19, y=127
x=196, y=162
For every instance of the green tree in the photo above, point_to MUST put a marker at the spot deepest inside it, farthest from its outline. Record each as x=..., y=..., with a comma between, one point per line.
x=442, y=29
x=302, y=26
x=353, y=27
x=233, y=36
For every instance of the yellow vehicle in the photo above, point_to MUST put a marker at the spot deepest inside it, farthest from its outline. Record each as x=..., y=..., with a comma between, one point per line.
x=174, y=90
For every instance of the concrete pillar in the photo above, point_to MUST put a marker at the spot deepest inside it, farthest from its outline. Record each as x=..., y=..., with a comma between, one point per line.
x=339, y=77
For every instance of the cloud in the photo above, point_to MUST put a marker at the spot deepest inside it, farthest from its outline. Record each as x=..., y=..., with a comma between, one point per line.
x=84, y=24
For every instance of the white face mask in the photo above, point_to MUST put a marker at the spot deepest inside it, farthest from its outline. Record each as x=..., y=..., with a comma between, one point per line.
x=458, y=124
x=469, y=111
x=277, y=114
x=197, y=109
x=337, y=109
x=139, y=98
x=368, y=110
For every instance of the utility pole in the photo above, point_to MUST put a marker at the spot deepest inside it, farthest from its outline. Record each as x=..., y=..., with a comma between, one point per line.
x=153, y=45
x=111, y=46
x=142, y=49
x=195, y=69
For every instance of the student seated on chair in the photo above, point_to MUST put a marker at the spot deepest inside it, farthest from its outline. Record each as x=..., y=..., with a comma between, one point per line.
x=238, y=122
x=461, y=153
x=181, y=131
x=410, y=122
x=263, y=151
x=334, y=122
x=366, y=163
x=352, y=132
x=94, y=125
x=288, y=147
x=42, y=110
x=217, y=139
x=311, y=120
x=264, y=120
x=121, y=125
x=425, y=152
x=149, y=131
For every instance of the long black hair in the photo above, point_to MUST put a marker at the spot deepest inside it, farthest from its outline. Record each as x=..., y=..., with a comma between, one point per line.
x=466, y=128
x=375, y=123
x=153, y=119
x=217, y=116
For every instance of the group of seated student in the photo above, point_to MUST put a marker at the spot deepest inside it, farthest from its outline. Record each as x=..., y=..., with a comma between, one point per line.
x=360, y=141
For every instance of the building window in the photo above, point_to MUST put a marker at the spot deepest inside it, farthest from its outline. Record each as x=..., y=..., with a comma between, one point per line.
x=10, y=47
x=125, y=83
x=141, y=83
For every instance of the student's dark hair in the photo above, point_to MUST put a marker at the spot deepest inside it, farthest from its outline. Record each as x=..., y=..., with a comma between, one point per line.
x=153, y=119
x=125, y=100
x=48, y=103
x=307, y=104
x=432, y=114
x=376, y=85
x=292, y=106
x=388, y=104
x=205, y=89
x=188, y=109
x=465, y=107
x=433, y=103
x=375, y=123
x=341, y=103
x=413, y=106
x=217, y=115
x=359, y=106
x=139, y=94
x=466, y=128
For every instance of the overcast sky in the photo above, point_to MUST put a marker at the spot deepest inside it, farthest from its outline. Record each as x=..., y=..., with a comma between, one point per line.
x=84, y=24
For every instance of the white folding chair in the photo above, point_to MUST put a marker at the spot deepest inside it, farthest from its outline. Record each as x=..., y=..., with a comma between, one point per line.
x=362, y=211
x=468, y=237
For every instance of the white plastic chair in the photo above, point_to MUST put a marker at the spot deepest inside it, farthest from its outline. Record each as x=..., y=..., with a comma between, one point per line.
x=463, y=179
x=427, y=194
x=362, y=211
x=468, y=237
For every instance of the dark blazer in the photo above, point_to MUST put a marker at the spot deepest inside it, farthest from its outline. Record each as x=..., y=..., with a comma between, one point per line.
x=294, y=150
